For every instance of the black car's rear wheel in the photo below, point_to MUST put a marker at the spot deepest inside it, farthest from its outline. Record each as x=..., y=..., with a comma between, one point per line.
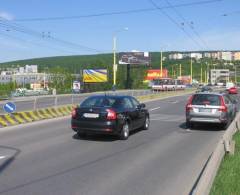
x=81, y=134
x=124, y=132
x=146, y=123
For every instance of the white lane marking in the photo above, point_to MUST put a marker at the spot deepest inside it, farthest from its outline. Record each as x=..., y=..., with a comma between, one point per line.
x=175, y=102
x=154, y=108
x=2, y=157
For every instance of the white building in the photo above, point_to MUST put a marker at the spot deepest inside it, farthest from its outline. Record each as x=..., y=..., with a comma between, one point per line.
x=197, y=56
x=227, y=55
x=21, y=70
x=176, y=56
x=3, y=73
x=31, y=69
x=219, y=76
x=207, y=55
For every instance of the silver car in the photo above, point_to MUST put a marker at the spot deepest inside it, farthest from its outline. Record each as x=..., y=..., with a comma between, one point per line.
x=210, y=107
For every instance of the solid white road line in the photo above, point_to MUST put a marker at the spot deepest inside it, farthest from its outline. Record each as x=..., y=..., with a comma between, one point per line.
x=154, y=109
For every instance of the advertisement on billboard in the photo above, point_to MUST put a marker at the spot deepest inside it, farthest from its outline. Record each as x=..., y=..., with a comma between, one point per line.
x=141, y=58
x=155, y=74
x=95, y=75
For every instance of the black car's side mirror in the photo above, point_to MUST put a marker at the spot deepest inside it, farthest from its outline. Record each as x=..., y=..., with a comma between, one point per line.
x=142, y=105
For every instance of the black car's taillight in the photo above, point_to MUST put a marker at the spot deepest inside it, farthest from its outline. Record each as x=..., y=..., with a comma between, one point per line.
x=74, y=112
x=111, y=114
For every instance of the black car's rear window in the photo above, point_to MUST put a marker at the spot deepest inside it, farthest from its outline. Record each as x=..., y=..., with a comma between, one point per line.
x=206, y=99
x=99, y=102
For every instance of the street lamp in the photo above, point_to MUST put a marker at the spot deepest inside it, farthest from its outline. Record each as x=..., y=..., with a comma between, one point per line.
x=114, y=54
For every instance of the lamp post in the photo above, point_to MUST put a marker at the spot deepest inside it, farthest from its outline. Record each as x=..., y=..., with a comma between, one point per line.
x=161, y=65
x=191, y=70
x=114, y=55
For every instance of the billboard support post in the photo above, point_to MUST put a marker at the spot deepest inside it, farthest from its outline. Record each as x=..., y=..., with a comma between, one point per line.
x=128, y=83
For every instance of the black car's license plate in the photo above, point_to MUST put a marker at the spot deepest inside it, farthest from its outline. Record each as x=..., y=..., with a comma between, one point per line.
x=91, y=115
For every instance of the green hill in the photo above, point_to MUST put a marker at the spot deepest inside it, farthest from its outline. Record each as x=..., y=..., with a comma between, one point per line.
x=74, y=64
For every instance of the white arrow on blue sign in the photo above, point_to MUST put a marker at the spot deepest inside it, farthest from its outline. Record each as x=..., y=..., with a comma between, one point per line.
x=9, y=107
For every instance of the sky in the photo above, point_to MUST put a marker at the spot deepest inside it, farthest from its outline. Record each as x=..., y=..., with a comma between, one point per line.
x=84, y=27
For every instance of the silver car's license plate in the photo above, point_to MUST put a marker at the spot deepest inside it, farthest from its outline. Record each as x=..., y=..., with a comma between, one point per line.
x=91, y=115
x=204, y=110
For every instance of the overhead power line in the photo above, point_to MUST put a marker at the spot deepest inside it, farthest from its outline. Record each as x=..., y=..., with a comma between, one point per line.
x=231, y=13
x=190, y=25
x=175, y=22
x=9, y=25
x=36, y=43
x=116, y=12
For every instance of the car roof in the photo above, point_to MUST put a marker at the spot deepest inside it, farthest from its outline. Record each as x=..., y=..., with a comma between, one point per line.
x=211, y=93
x=110, y=96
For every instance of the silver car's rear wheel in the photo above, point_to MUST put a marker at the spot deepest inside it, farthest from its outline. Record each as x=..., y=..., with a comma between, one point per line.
x=189, y=125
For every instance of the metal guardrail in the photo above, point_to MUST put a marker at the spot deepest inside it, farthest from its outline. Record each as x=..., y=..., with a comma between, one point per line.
x=38, y=102
x=224, y=145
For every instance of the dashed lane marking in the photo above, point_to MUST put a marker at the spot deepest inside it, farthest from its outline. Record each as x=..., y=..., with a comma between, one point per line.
x=154, y=109
x=2, y=157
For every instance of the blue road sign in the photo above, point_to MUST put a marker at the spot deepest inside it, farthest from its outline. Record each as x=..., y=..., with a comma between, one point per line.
x=9, y=107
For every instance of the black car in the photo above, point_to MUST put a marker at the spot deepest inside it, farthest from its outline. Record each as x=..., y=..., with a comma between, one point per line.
x=109, y=114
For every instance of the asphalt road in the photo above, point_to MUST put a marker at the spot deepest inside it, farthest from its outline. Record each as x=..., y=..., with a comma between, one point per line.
x=48, y=158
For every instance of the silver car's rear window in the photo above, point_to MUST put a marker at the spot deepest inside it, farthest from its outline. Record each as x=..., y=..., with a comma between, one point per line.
x=206, y=99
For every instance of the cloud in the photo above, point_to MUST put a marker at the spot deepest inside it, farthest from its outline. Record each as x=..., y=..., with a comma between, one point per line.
x=6, y=15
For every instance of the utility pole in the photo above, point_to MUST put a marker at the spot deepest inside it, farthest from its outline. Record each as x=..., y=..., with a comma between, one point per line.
x=201, y=74
x=114, y=60
x=235, y=74
x=205, y=77
x=161, y=65
x=191, y=70
x=180, y=70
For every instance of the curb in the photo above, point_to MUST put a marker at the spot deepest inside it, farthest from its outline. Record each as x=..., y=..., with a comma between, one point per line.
x=224, y=146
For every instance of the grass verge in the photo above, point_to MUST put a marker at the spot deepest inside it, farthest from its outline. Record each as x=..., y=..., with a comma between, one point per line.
x=228, y=176
x=164, y=94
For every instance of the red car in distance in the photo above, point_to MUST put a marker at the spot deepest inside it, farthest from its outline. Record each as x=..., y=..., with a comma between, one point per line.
x=233, y=90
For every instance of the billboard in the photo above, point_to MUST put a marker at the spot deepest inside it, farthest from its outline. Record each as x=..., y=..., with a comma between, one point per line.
x=142, y=58
x=94, y=75
x=155, y=74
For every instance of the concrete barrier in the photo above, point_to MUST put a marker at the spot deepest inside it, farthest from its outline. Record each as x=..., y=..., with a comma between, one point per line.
x=30, y=116
x=224, y=145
